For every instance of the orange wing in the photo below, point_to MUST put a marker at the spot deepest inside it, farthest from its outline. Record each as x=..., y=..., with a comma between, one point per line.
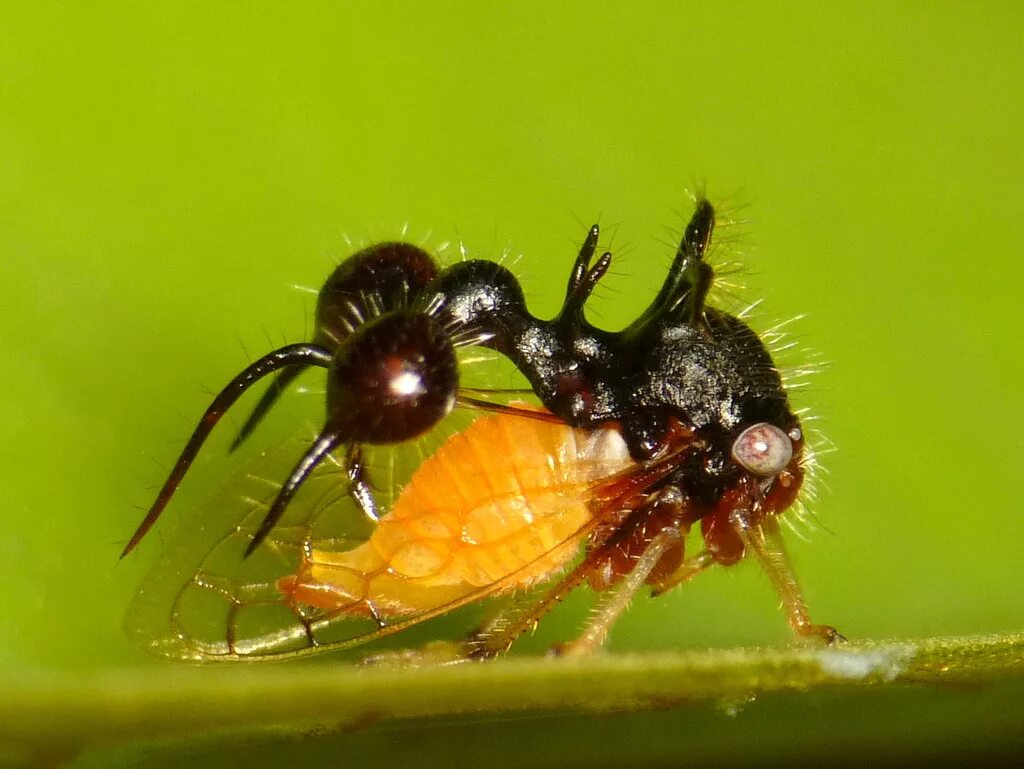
x=487, y=507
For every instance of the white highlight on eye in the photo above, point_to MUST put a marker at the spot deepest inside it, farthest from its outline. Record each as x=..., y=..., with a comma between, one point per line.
x=763, y=449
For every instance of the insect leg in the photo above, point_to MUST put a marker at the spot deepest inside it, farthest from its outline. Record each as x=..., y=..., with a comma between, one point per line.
x=764, y=540
x=437, y=653
x=266, y=402
x=614, y=601
x=290, y=355
x=501, y=632
x=687, y=570
x=498, y=635
x=361, y=491
x=325, y=443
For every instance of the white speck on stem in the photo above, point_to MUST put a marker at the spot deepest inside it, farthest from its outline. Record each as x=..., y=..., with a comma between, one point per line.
x=885, y=663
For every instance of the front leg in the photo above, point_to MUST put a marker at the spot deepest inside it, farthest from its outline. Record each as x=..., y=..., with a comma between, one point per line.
x=764, y=540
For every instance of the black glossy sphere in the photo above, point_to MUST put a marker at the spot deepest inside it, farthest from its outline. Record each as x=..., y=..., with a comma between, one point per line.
x=381, y=277
x=393, y=379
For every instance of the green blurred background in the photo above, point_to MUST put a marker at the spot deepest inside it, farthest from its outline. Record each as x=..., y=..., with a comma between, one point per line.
x=169, y=171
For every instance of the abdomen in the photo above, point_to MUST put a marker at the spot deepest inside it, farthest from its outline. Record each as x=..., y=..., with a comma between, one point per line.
x=497, y=507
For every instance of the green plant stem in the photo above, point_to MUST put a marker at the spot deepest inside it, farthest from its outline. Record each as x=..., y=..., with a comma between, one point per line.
x=66, y=713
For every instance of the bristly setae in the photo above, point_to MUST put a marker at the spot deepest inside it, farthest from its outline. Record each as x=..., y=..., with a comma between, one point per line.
x=681, y=419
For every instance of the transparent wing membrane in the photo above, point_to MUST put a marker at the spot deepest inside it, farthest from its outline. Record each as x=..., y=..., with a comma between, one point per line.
x=204, y=601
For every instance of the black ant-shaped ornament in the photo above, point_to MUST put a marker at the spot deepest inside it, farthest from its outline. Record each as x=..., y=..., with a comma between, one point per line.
x=392, y=373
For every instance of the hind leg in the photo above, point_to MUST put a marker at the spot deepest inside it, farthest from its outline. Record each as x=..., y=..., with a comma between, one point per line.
x=613, y=602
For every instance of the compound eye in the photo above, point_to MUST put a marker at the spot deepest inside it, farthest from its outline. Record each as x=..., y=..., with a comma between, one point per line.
x=763, y=449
